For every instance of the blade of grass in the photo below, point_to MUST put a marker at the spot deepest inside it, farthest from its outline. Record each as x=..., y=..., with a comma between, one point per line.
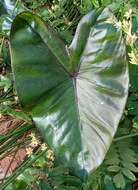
x=16, y=132
x=21, y=169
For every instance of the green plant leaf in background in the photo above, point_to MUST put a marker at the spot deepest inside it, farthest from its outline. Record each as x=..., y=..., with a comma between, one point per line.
x=119, y=181
x=135, y=122
x=9, y=8
x=108, y=183
x=76, y=95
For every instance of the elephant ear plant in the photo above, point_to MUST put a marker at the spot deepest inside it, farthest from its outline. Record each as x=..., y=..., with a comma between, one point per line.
x=75, y=95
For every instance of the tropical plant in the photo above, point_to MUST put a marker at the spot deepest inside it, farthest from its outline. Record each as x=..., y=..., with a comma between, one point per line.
x=73, y=94
x=119, y=168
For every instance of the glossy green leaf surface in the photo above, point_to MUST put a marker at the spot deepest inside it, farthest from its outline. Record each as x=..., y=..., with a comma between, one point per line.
x=76, y=95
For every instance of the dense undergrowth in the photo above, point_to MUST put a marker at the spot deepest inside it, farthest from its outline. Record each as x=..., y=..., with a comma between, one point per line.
x=39, y=169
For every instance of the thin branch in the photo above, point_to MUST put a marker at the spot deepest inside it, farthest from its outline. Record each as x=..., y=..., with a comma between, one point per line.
x=125, y=137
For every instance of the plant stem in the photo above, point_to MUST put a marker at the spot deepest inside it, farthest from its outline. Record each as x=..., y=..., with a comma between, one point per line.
x=16, y=3
x=125, y=137
x=1, y=46
x=21, y=169
x=16, y=133
x=8, y=168
x=9, y=149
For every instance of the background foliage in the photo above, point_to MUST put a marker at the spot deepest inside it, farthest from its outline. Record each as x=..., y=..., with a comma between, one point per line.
x=39, y=170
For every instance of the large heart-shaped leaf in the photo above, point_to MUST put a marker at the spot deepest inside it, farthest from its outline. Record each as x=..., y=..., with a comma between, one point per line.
x=76, y=95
